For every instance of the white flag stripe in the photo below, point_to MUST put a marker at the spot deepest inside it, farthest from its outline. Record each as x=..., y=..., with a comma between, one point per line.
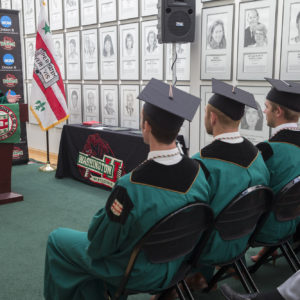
x=59, y=95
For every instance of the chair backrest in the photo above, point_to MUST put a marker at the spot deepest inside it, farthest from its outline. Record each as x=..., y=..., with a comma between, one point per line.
x=287, y=201
x=176, y=235
x=240, y=217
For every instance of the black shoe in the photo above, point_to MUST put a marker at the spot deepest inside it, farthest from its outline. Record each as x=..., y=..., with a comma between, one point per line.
x=230, y=294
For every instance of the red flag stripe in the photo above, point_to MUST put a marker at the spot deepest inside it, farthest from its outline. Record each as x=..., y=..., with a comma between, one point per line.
x=40, y=44
x=56, y=107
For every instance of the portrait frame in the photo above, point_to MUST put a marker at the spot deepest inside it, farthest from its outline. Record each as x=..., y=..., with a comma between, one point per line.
x=91, y=109
x=129, y=53
x=17, y=5
x=29, y=17
x=73, y=55
x=56, y=16
x=152, y=55
x=71, y=13
x=205, y=94
x=216, y=54
x=88, y=12
x=261, y=130
x=107, y=10
x=110, y=112
x=59, y=53
x=128, y=9
x=290, y=54
x=6, y=4
x=75, y=107
x=30, y=53
x=89, y=48
x=108, y=61
x=149, y=7
x=129, y=117
x=182, y=64
x=256, y=54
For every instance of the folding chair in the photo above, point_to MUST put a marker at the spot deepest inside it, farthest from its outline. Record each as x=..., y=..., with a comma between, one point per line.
x=286, y=208
x=175, y=236
x=237, y=220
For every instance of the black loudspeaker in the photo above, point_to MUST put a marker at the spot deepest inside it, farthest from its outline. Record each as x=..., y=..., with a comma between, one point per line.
x=176, y=21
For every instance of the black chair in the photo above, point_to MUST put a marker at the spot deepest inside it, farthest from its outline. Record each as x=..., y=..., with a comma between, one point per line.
x=176, y=235
x=239, y=219
x=286, y=208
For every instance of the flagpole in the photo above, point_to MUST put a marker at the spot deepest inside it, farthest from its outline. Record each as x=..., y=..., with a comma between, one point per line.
x=47, y=167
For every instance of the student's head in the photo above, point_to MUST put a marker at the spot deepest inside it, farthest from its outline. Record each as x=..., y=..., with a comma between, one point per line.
x=215, y=118
x=72, y=44
x=74, y=97
x=260, y=34
x=129, y=100
x=151, y=38
x=252, y=17
x=253, y=118
x=216, y=32
x=90, y=98
x=129, y=41
x=108, y=46
x=109, y=100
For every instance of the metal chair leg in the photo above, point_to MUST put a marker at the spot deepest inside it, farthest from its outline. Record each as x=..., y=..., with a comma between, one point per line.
x=179, y=292
x=288, y=258
x=293, y=254
x=247, y=274
x=262, y=260
x=242, y=278
x=187, y=290
x=216, y=278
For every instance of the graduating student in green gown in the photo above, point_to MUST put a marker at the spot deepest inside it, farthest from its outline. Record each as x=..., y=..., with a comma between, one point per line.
x=82, y=265
x=9, y=98
x=232, y=164
x=282, y=151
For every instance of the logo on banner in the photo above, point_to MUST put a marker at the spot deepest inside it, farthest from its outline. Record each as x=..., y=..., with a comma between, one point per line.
x=10, y=80
x=8, y=59
x=45, y=69
x=17, y=153
x=8, y=123
x=8, y=43
x=105, y=170
x=6, y=21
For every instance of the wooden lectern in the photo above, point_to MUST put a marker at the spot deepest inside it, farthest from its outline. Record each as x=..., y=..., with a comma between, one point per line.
x=6, y=155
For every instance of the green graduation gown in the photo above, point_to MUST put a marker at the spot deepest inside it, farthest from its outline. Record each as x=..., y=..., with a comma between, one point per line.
x=282, y=156
x=80, y=265
x=230, y=169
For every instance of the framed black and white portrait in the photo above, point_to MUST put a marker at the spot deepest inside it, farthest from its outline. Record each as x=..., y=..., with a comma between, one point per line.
x=256, y=40
x=152, y=52
x=59, y=52
x=90, y=54
x=107, y=10
x=73, y=55
x=205, y=95
x=290, y=57
x=88, y=12
x=149, y=7
x=30, y=52
x=217, y=33
x=5, y=4
x=128, y=9
x=71, y=9
x=90, y=103
x=129, y=106
x=129, y=51
x=74, y=103
x=183, y=52
x=56, y=15
x=253, y=124
x=16, y=4
x=109, y=105
x=108, y=53
x=29, y=17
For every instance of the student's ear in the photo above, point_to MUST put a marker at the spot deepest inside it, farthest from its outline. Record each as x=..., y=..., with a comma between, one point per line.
x=279, y=112
x=213, y=118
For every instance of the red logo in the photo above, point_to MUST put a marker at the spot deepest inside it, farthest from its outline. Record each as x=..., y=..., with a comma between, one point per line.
x=8, y=43
x=17, y=153
x=10, y=80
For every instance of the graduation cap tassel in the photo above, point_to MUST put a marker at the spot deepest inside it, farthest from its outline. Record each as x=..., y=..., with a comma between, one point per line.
x=173, y=67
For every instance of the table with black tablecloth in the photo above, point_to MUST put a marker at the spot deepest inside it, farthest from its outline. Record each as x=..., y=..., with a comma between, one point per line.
x=99, y=157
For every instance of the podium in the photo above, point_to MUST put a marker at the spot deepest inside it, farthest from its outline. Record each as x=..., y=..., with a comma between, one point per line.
x=6, y=155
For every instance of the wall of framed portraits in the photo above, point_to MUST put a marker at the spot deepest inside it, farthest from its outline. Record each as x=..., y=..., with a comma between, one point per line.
x=107, y=51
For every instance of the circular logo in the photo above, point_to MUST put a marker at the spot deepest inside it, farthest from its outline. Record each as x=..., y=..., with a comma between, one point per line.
x=8, y=43
x=8, y=59
x=10, y=80
x=6, y=21
x=17, y=153
x=11, y=92
x=8, y=123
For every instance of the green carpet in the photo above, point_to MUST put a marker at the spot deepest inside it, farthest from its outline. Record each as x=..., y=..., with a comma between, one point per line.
x=50, y=203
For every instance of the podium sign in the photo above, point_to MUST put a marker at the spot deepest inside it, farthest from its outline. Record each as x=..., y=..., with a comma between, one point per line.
x=9, y=123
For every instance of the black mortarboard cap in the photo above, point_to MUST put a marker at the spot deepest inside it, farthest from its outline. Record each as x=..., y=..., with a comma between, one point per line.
x=285, y=93
x=168, y=106
x=230, y=100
